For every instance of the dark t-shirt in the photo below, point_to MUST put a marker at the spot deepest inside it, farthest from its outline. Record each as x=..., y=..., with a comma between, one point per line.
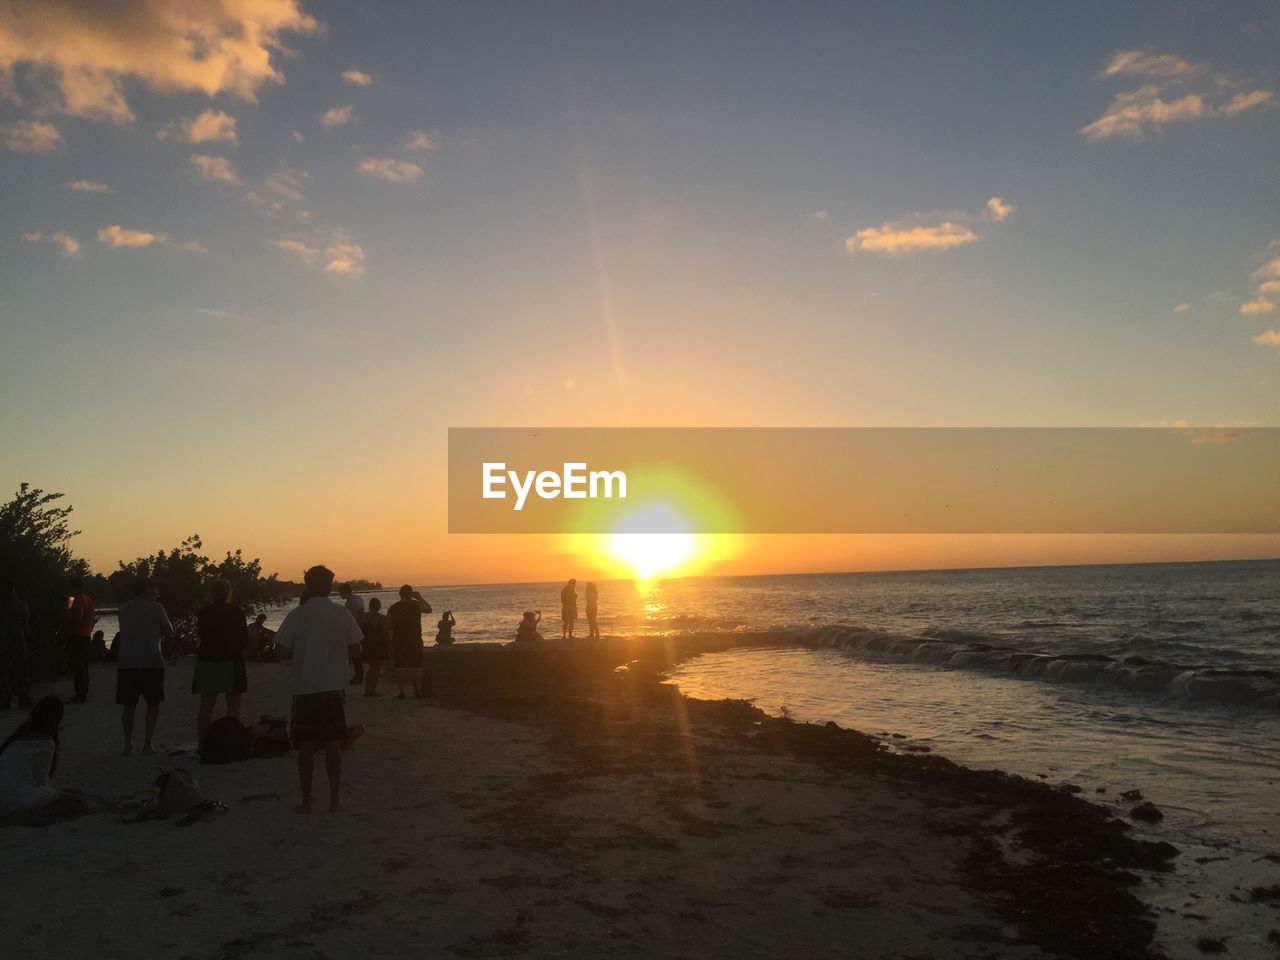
x=222, y=632
x=406, y=621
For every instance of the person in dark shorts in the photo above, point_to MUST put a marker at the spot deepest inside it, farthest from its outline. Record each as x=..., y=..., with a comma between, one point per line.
x=223, y=636
x=81, y=617
x=320, y=637
x=568, y=608
x=377, y=645
x=144, y=626
x=406, y=639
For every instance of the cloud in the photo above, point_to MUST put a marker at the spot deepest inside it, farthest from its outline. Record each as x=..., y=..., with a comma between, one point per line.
x=31, y=136
x=119, y=238
x=395, y=171
x=358, y=77
x=208, y=127
x=214, y=169
x=69, y=244
x=1164, y=66
x=419, y=140
x=338, y=255
x=998, y=210
x=823, y=216
x=337, y=116
x=1269, y=288
x=1182, y=308
x=1175, y=90
x=1269, y=270
x=1268, y=338
x=88, y=50
x=896, y=238
x=88, y=186
x=920, y=232
x=1256, y=307
x=279, y=191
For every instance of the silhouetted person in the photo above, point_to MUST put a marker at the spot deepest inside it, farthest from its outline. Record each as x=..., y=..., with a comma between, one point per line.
x=377, y=646
x=355, y=606
x=444, y=629
x=15, y=663
x=28, y=761
x=406, y=639
x=320, y=637
x=568, y=608
x=260, y=639
x=219, y=668
x=593, y=596
x=144, y=626
x=528, y=628
x=80, y=620
x=98, y=647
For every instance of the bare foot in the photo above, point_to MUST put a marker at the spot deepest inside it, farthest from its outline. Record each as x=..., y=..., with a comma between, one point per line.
x=149, y=751
x=303, y=808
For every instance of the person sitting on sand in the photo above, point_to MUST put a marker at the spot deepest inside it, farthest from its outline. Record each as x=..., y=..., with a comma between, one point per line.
x=377, y=646
x=406, y=639
x=144, y=626
x=593, y=599
x=28, y=761
x=320, y=637
x=259, y=639
x=528, y=629
x=568, y=608
x=444, y=629
x=220, y=657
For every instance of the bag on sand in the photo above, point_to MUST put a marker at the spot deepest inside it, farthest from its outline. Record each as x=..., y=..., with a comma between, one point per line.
x=177, y=792
x=227, y=741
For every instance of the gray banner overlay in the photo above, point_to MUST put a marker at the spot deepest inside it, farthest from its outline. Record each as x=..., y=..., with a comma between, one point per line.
x=864, y=480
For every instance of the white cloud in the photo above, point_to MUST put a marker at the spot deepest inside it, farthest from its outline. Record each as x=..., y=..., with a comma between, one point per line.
x=120, y=238
x=88, y=186
x=420, y=140
x=69, y=245
x=894, y=238
x=214, y=169
x=1164, y=66
x=998, y=210
x=338, y=255
x=395, y=171
x=1268, y=338
x=170, y=46
x=337, y=116
x=1174, y=91
x=1182, y=308
x=358, y=77
x=1256, y=307
x=31, y=136
x=208, y=127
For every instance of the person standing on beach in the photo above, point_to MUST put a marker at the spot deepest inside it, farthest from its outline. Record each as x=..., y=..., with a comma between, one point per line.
x=355, y=606
x=376, y=647
x=319, y=637
x=144, y=626
x=15, y=669
x=223, y=635
x=406, y=640
x=80, y=620
x=568, y=608
x=593, y=598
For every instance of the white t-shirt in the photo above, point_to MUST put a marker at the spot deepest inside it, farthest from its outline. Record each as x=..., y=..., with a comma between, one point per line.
x=143, y=624
x=320, y=634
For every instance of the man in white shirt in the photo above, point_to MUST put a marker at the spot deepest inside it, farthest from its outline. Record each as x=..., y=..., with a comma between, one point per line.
x=140, y=664
x=319, y=636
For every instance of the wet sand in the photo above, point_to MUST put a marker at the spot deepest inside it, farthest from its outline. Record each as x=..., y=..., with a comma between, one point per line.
x=544, y=805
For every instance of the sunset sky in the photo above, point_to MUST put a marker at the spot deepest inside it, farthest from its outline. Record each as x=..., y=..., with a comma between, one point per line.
x=257, y=256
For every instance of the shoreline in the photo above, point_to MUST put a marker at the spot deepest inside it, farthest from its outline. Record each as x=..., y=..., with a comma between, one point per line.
x=544, y=803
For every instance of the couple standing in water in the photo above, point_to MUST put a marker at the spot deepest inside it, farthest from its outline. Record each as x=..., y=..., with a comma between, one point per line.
x=569, y=609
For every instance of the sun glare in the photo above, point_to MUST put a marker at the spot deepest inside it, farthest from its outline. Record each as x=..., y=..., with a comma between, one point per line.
x=650, y=555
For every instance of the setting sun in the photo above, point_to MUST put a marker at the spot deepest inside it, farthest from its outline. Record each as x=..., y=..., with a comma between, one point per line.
x=648, y=555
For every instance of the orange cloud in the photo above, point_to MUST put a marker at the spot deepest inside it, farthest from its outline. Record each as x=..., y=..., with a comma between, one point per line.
x=69, y=245
x=214, y=169
x=117, y=236
x=31, y=136
x=418, y=140
x=1269, y=338
x=394, y=171
x=337, y=116
x=1255, y=307
x=357, y=77
x=1164, y=66
x=340, y=255
x=208, y=127
x=88, y=186
x=1134, y=113
x=998, y=210
x=893, y=238
x=172, y=46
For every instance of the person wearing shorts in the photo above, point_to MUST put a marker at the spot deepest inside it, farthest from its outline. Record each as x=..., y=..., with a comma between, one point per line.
x=320, y=637
x=144, y=626
x=219, y=668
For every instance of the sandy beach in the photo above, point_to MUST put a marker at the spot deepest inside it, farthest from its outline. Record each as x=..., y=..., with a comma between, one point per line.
x=541, y=806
